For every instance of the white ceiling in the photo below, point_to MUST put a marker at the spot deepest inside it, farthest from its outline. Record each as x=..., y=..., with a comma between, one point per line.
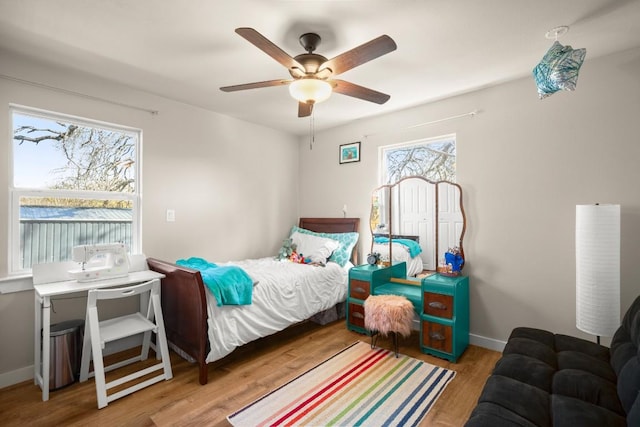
x=185, y=50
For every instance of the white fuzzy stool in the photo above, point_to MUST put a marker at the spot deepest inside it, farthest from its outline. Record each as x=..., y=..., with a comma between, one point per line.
x=386, y=314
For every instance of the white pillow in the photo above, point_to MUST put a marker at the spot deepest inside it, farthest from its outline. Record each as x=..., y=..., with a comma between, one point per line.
x=318, y=249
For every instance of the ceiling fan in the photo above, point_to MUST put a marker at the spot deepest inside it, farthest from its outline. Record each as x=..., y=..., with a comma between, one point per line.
x=312, y=74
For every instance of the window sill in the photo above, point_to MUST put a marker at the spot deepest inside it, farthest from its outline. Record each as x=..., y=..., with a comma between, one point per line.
x=16, y=284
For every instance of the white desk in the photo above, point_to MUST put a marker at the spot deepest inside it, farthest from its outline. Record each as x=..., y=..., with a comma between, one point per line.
x=43, y=294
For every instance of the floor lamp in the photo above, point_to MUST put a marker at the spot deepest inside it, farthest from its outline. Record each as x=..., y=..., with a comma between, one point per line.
x=598, y=269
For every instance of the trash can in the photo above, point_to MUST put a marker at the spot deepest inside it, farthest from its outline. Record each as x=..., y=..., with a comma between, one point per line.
x=66, y=353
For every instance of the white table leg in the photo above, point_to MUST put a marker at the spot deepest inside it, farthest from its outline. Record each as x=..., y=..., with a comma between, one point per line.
x=37, y=350
x=46, y=344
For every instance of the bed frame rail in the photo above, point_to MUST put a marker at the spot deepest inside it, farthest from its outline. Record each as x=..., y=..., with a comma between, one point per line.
x=184, y=308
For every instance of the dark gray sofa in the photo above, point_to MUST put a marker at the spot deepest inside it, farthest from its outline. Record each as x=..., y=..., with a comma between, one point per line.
x=546, y=379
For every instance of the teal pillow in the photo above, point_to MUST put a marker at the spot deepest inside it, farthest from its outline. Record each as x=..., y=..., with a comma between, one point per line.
x=347, y=241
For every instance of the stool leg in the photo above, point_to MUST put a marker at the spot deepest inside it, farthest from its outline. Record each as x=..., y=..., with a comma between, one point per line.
x=374, y=338
x=395, y=343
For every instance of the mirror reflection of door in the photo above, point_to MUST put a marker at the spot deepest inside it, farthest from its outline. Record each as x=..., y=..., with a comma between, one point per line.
x=416, y=207
x=450, y=218
x=413, y=202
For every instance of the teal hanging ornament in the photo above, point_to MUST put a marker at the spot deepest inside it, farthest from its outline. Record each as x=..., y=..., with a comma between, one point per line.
x=559, y=67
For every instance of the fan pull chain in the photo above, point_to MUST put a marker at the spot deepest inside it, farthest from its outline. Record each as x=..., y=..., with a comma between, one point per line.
x=312, y=131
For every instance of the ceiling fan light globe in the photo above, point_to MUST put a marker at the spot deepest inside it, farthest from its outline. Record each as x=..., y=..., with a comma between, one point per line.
x=310, y=90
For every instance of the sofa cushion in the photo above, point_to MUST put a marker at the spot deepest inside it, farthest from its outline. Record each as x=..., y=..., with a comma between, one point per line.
x=532, y=404
x=586, y=363
x=622, y=354
x=526, y=369
x=633, y=416
x=569, y=411
x=579, y=345
x=625, y=360
x=490, y=414
x=629, y=384
x=531, y=347
x=587, y=387
x=540, y=335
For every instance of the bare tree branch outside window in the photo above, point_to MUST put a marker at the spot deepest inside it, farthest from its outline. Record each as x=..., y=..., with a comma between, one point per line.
x=435, y=161
x=91, y=158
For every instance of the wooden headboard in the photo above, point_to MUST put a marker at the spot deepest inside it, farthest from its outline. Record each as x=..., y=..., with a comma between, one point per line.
x=333, y=225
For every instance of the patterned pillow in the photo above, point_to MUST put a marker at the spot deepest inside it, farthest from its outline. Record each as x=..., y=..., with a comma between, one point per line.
x=316, y=248
x=347, y=241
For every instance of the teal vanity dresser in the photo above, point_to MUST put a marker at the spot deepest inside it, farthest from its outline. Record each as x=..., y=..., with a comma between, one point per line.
x=442, y=304
x=431, y=214
x=362, y=280
x=444, y=318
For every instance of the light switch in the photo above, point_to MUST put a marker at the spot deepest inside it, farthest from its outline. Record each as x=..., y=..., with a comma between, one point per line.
x=171, y=215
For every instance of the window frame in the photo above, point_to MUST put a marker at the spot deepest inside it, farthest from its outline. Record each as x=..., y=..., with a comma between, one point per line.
x=382, y=167
x=13, y=249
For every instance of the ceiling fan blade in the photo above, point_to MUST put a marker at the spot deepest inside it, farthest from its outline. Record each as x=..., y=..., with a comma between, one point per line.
x=255, y=85
x=264, y=44
x=361, y=54
x=361, y=92
x=304, y=109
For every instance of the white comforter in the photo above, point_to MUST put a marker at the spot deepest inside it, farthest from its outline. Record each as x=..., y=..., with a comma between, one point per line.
x=400, y=254
x=286, y=293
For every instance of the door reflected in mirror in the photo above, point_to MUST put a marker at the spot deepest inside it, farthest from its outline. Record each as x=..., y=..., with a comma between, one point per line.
x=416, y=221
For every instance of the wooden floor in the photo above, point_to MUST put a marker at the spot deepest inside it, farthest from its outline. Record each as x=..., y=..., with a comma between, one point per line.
x=235, y=381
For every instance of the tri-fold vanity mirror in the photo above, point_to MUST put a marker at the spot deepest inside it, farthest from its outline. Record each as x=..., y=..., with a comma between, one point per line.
x=414, y=209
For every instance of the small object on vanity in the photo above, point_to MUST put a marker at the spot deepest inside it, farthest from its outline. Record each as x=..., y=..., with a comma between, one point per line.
x=373, y=258
x=384, y=260
x=453, y=262
x=442, y=268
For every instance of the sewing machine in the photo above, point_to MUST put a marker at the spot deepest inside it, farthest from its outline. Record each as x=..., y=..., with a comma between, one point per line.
x=100, y=261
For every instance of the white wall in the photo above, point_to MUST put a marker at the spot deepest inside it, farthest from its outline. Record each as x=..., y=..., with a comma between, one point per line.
x=523, y=164
x=232, y=184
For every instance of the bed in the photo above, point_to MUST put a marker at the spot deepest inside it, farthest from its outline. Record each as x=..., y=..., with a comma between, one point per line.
x=400, y=251
x=199, y=330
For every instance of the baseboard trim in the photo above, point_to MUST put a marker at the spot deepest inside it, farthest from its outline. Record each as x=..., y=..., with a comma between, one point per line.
x=26, y=373
x=490, y=343
x=14, y=377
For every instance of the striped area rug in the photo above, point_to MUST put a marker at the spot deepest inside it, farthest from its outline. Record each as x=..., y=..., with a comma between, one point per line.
x=357, y=386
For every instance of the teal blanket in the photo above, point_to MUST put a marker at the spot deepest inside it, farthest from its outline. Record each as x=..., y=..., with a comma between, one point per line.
x=230, y=285
x=413, y=246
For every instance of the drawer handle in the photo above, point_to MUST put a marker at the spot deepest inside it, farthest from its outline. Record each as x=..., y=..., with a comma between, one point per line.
x=436, y=336
x=438, y=305
x=360, y=290
x=357, y=315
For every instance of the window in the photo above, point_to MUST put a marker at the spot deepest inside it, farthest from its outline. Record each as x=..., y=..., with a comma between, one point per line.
x=434, y=159
x=74, y=181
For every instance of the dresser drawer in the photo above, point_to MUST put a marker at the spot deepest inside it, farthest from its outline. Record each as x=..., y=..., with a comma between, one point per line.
x=359, y=289
x=356, y=315
x=438, y=305
x=437, y=336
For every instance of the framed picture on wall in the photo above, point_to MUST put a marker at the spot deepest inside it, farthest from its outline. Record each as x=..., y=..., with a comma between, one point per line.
x=350, y=152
